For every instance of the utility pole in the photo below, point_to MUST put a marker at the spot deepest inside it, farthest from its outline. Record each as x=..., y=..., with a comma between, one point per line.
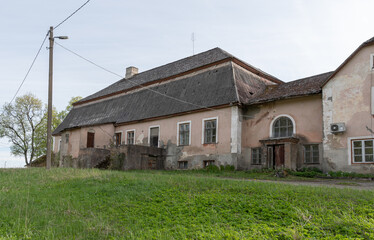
x=50, y=87
x=50, y=82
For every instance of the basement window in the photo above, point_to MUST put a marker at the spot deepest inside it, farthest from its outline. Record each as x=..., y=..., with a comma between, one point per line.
x=362, y=151
x=208, y=163
x=183, y=164
x=311, y=153
x=256, y=156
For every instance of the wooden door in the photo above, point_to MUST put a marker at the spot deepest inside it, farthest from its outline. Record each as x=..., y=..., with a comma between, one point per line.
x=90, y=140
x=278, y=155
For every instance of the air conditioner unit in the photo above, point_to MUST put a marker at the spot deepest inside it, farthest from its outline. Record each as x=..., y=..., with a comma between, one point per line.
x=337, y=127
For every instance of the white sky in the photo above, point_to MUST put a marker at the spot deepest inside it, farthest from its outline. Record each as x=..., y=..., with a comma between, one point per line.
x=289, y=39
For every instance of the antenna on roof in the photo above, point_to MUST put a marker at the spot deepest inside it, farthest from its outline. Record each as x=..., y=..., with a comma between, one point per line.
x=193, y=43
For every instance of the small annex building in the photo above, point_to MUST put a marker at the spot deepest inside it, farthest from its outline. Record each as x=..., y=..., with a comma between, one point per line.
x=213, y=108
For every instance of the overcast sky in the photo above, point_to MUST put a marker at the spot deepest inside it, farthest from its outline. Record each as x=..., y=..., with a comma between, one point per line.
x=289, y=39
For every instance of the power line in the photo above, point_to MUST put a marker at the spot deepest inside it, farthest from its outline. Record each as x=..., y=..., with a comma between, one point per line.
x=32, y=64
x=72, y=14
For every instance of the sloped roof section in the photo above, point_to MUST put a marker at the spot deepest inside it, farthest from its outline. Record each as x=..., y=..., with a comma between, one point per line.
x=177, y=68
x=302, y=87
x=171, y=69
x=210, y=88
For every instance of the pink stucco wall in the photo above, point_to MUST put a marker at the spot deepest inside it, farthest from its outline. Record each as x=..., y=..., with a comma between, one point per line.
x=168, y=131
x=78, y=139
x=347, y=99
x=306, y=112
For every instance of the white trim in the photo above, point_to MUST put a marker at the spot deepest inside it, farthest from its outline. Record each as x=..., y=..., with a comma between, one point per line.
x=203, y=126
x=371, y=67
x=349, y=146
x=121, y=135
x=130, y=130
x=279, y=116
x=149, y=135
x=184, y=122
x=236, y=130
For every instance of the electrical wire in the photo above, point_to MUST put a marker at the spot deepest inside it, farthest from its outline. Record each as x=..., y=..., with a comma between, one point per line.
x=72, y=14
x=32, y=64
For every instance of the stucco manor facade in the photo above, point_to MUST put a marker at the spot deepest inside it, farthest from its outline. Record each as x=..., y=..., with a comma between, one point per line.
x=213, y=108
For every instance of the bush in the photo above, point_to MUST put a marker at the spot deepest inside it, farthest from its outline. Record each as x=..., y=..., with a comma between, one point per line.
x=212, y=168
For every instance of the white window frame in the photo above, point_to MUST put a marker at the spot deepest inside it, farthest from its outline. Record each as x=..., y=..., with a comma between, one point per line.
x=130, y=130
x=203, y=129
x=279, y=116
x=371, y=62
x=350, y=149
x=189, y=140
x=149, y=135
x=260, y=156
x=121, y=136
x=319, y=149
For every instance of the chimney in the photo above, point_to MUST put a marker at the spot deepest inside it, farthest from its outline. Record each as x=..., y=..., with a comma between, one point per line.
x=131, y=71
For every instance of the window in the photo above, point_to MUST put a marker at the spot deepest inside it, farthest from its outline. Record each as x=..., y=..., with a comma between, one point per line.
x=282, y=127
x=256, y=155
x=130, y=137
x=210, y=131
x=311, y=153
x=184, y=134
x=372, y=62
x=67, y=138
x=362, y=151
x=154, y=136
x=208, y=162
x=183, y=165
x=118, y=138
x=90, y=139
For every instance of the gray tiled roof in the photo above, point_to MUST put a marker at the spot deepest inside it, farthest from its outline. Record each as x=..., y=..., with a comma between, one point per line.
x=174, y=68
x=206, y=89
x=302, y=87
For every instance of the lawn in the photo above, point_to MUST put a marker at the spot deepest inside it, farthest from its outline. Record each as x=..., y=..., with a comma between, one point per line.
x=94, y=204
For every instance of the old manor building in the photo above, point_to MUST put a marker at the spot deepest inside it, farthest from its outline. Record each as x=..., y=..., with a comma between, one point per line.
x=213, y=108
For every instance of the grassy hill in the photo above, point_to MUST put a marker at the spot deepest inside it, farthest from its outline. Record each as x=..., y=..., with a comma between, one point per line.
x=94, y=204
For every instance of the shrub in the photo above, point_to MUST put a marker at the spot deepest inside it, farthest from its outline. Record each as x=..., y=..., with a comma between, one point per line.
x=212, y=168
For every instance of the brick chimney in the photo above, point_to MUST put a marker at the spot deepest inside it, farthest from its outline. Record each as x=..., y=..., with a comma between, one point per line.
x=131, y=71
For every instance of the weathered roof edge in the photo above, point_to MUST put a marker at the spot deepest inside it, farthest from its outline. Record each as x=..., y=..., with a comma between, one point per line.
x=364, y=44
x=295, y=95
x=230, y=57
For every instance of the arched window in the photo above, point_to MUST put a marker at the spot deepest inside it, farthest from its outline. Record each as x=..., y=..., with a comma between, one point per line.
x=283, y=127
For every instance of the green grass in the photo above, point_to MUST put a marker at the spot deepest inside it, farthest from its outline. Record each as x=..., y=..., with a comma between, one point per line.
x=94, y=204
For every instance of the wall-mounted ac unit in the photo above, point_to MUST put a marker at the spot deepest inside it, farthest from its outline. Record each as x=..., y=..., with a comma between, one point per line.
x=337, y=127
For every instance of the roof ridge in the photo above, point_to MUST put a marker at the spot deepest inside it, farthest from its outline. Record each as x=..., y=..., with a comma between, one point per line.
x=312, y=76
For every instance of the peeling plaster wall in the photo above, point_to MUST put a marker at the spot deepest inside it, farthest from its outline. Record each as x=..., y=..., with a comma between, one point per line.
x=78, y=139
x=307, y=113
x=56, y=144
x=197, y=152
x=347, y=99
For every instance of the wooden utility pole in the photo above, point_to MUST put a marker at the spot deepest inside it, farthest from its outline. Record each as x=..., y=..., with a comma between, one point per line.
x=50, y=82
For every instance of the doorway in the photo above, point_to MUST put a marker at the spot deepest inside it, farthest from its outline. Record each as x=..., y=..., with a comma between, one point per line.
x=275, y=156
